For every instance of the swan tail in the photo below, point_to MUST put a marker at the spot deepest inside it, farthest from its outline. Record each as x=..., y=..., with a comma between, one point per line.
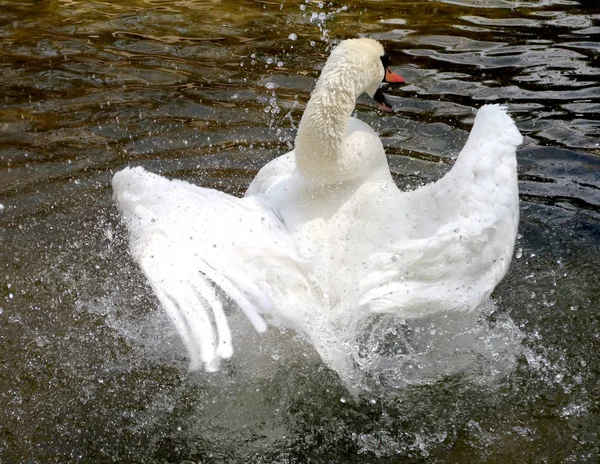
x=192, y=243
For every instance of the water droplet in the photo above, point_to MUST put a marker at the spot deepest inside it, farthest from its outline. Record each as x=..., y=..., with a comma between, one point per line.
x=519, y=253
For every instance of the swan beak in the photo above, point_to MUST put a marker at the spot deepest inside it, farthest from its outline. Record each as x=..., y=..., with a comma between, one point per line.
x=392, y=78
x=382, y=101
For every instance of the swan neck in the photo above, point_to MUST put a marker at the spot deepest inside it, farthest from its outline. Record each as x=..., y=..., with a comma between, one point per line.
x=321, y=133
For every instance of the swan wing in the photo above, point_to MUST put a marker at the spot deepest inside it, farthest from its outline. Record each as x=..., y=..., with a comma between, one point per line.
x=483, y=180
x=447, y=271
x=191, y=242
x=465, y=229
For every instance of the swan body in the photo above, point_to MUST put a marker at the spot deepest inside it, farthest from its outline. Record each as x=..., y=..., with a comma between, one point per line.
x=323, y=239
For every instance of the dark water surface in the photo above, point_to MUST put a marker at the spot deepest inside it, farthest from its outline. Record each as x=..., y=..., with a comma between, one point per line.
x=90, y=369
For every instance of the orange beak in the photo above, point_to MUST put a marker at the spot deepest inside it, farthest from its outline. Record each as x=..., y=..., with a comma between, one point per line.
x=392, y=78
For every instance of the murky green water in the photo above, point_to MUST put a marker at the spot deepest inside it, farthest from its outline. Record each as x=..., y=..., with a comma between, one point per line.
x=91, y=370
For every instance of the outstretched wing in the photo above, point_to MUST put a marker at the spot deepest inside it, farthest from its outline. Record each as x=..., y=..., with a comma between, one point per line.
x=465, y=229
x=189, y=240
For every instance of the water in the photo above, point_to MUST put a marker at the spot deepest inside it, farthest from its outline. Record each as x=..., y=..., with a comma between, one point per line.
x=91, y=370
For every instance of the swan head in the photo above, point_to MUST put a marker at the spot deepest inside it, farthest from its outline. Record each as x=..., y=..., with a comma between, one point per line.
x=365, y=62
x=330, y=146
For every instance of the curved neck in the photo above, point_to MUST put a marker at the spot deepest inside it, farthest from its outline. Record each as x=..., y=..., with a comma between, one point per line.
x=320, y=140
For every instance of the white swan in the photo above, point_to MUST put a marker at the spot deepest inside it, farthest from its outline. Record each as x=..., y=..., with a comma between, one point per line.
x=323, y=238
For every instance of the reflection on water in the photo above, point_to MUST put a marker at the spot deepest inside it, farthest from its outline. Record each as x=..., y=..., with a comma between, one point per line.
x=209, y=91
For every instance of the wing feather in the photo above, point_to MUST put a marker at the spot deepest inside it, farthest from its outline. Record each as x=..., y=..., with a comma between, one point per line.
x=190, y=241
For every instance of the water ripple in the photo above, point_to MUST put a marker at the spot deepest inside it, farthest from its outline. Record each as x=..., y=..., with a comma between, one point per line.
x=210, y=91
